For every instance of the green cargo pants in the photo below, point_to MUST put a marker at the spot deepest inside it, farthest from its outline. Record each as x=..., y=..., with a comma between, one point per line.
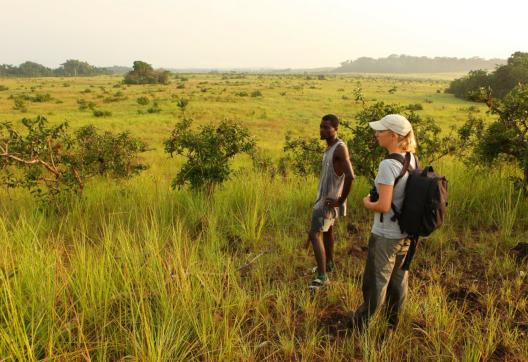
x=383, y=280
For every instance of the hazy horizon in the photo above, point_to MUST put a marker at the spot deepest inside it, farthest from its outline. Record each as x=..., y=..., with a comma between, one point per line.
x=270, y=34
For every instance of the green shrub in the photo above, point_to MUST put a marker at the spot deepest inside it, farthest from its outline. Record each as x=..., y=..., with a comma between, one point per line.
x=415, y=107
x=48, y=160
x=143, y=73
x=143, y=101
x=100, y=113
x=208, y=152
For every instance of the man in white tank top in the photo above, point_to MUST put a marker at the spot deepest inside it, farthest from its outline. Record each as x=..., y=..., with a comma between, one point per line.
x=334, y=186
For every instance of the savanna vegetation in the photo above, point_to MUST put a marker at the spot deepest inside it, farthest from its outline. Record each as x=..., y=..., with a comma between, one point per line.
x=478, y=84
x=201, y=256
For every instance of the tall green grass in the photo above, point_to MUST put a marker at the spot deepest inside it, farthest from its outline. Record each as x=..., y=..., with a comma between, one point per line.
x=136, y=271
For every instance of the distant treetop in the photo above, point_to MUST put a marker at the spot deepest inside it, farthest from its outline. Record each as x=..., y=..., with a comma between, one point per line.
x=143, y=73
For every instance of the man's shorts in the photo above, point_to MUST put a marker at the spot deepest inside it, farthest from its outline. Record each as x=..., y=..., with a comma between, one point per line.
x=322, y=219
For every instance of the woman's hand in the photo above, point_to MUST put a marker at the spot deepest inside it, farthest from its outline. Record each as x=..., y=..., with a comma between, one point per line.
x=366, y=202
x=383, y=204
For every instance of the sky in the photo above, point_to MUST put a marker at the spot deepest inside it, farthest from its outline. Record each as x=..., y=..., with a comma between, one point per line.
x=255, y=34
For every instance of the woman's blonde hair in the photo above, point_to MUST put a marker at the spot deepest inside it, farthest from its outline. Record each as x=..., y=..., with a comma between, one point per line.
x=407, y=143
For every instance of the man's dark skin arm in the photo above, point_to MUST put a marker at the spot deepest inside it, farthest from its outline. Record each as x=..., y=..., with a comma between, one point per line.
x=342, y=165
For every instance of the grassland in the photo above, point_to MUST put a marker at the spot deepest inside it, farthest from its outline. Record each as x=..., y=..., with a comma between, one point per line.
x=133, y=270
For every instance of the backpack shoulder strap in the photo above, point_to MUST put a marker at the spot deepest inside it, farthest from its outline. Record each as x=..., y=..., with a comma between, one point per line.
x=405, y=161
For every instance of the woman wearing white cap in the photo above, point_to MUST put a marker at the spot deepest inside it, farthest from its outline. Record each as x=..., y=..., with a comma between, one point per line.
x=384, y=282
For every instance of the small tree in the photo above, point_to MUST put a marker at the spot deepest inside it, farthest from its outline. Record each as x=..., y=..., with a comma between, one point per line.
x=48, y=160
x=182, y=104
x=507, y=135
x=143, y=73
x=208, y=151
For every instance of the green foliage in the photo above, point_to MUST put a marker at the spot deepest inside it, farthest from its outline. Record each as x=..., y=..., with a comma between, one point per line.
x=263, y=162
x=143, y=101
x=47, y=159
x=468, y=87
x=116, y=97
x=143, y=73
x=85, y=105
x=208, y=151
x=415, y=107
x=106, y=153
x=182, y=104
x=71, y=67
x=507, y=136
x=37, y=98
x=366, y=154
x=19, y=105
x=302, y=155
x=101, y=113
x=500, y=82
x=74, y=68
x=155, y=108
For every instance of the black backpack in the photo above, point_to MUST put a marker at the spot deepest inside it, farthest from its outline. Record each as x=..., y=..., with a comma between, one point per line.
x=424, y=204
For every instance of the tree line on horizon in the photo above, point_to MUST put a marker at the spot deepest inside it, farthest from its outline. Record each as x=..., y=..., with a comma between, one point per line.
x=412, y=64
x=70, y=68
x=391, y=64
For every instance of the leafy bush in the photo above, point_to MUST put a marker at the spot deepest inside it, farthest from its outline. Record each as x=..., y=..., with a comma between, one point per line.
x=263, y=163
x=302, y=155
x=116, y=97
x=208, y=152
x=37, y=98
x=415, y=107
x=48, y=160
x=84, y=105
x=154, y=109
x=19, y=105
x=143, y=101
x=100, y=113
x=506, y=136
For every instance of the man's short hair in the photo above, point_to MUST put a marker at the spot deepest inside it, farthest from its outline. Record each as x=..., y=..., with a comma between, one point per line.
x=334, y=121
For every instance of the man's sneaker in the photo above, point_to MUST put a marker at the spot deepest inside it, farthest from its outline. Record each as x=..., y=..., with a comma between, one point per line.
x=330, y=267
x=318, y=282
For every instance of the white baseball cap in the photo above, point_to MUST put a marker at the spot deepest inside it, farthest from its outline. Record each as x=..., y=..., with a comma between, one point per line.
x=393, y=122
